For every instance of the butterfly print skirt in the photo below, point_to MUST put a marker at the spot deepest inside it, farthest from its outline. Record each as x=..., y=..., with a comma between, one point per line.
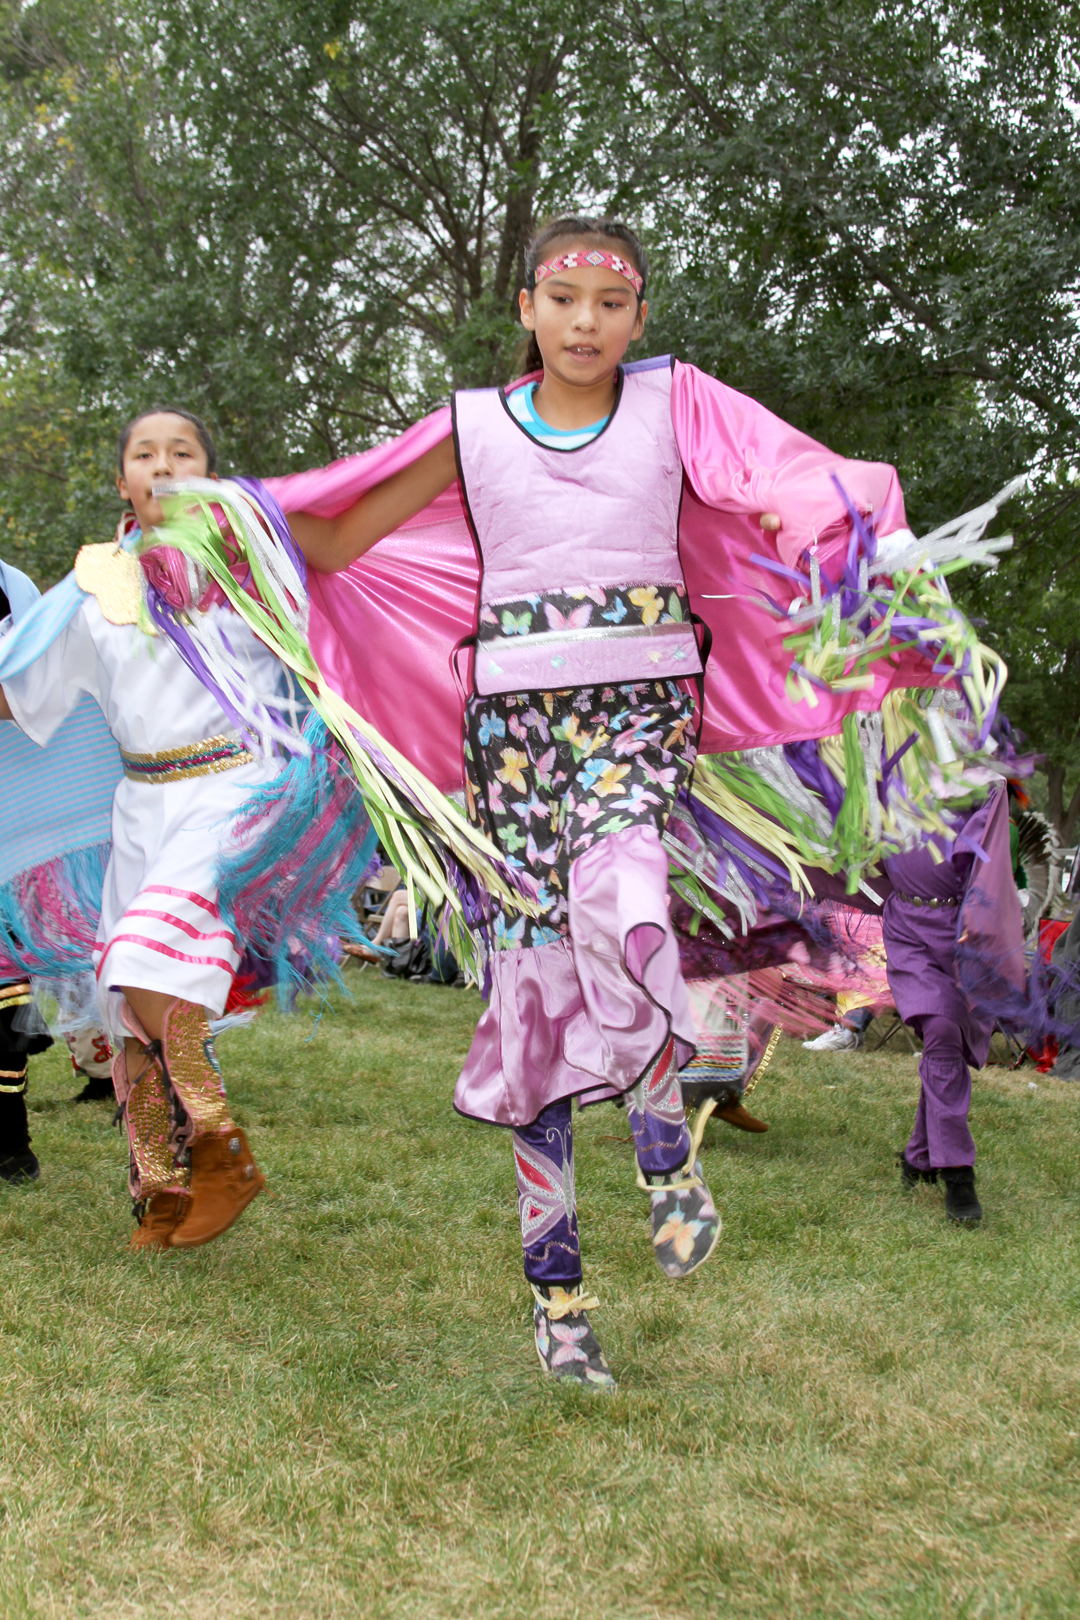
x=549, y=773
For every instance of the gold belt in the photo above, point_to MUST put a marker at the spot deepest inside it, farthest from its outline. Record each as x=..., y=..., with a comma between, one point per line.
x=204, y=758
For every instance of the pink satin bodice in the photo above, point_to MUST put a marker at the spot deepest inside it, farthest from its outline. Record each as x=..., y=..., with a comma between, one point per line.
x=601, y=516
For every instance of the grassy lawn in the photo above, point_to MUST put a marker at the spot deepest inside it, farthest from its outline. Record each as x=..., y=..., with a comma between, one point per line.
x=853, y=1410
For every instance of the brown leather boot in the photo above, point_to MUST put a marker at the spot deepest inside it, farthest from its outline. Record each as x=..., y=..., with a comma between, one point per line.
x=735, y=1114
x=224, y=1180
x=159, y=1220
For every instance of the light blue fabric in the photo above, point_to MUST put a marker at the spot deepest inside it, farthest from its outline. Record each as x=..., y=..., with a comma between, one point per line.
x=19, y=589
x=39, y=625
x=56, y=800
x=43, y=617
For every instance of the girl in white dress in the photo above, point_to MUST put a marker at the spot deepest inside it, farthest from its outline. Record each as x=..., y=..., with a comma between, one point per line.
x=165, y=959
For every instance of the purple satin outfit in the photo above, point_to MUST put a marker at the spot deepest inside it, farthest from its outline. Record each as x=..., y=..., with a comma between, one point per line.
x=609, y=512
x=925, y=947
x=599, y=555
x=547, y=1208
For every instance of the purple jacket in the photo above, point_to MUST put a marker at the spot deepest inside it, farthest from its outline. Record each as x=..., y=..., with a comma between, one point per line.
x=966, y=960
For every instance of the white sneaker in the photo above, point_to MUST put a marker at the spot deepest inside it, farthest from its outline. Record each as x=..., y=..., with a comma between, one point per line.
x=837, y=1039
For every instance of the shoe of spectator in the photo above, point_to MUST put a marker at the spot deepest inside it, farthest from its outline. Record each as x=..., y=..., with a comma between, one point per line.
x=837, y=1039
x=98, y=1087
x=366, y=950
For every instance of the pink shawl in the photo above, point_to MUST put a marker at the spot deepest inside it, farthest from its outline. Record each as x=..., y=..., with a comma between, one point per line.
x=384, y=630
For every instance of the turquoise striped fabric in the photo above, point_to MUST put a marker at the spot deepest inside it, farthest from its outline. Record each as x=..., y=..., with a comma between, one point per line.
x=522, y=410
x=56, y=799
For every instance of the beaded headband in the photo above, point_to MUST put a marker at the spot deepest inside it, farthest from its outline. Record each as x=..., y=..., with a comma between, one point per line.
x=579, y=258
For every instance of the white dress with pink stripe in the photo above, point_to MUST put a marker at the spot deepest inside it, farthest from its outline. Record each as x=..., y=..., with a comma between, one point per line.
x=160, y=925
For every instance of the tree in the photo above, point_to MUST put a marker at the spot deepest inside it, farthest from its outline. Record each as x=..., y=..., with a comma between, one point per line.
x=308, y=228
x=423, y=131
x=871, y=219
x=131, y=273
x=308, y=223
x=315, y=223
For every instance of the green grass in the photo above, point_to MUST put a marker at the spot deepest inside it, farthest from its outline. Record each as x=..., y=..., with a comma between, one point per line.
x=853, y=1410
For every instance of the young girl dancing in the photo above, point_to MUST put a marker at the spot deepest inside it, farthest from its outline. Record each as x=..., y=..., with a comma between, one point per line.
x=580, y=729
x=164, y=958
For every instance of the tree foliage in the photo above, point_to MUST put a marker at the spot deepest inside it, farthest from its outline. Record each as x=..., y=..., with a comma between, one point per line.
x=309, y=222
x=872, y=218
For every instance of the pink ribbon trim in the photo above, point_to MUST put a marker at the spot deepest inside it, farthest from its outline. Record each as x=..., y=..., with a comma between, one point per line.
x=162, y=950
x=182, y=894
x=186, y=928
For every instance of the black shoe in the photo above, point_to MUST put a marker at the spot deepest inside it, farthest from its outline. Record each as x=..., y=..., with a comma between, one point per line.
x=961, y=1203
x=98, y=1088
x=695, y=1092
x=20, y=1167
x=909, y=1176
x=17, y=1163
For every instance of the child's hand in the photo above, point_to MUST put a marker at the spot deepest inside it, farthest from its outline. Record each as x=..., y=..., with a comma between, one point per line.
x=770, y=521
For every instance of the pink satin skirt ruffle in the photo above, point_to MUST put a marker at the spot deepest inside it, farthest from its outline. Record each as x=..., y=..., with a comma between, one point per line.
x=585, y=1015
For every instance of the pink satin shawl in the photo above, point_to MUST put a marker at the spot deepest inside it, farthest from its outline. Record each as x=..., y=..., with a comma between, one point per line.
x=385, y=629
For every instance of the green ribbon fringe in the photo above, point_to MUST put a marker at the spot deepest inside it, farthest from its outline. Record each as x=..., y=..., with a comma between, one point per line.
x=418, y=827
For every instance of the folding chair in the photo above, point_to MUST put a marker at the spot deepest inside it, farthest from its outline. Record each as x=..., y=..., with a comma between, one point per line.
x=370, y=900
x=897, y=1023
x=1017, y=1050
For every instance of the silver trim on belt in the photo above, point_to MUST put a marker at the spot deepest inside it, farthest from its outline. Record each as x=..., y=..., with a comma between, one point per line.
x=913, y=900
x=614, y=632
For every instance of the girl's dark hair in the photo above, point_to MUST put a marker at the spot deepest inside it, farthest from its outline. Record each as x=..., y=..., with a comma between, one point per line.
x=201, y=430
x=585, y=229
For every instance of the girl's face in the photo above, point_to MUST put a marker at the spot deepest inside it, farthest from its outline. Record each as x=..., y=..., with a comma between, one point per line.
x=584, y=320
x=161, y=446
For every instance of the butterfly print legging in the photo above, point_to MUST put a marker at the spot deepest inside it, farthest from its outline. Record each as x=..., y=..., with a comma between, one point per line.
x=544, y=1161
x=547, y=774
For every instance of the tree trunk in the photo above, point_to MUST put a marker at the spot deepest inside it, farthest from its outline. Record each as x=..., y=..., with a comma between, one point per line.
x=1067, y=827
x=1055, y=779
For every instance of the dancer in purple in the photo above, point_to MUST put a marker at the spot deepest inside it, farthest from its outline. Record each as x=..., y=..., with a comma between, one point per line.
x=953, y=937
